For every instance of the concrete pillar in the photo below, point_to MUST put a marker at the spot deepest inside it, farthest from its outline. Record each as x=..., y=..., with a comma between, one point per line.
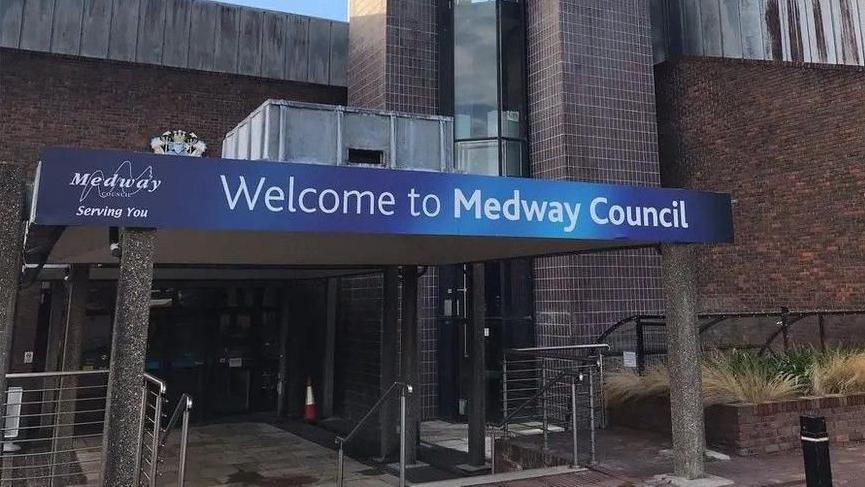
x=409, y=360
x=683, y=358
x=329, y=348
x=478, y=398
x=282, y=380
x=387, y=359
x=128, y=349
x=11, y=243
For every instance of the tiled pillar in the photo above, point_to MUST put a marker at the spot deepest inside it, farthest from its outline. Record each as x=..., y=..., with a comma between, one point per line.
x=592, y=118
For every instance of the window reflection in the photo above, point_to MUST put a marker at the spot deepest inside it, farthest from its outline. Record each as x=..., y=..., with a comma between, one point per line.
x=489, y=87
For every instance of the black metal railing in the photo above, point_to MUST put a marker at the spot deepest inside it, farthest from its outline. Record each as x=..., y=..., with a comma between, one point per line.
x=787, y=318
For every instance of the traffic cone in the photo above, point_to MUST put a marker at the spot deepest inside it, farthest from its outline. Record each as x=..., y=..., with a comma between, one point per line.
x=309, y=414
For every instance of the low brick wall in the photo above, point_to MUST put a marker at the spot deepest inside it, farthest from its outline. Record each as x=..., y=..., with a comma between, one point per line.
x=752, y=429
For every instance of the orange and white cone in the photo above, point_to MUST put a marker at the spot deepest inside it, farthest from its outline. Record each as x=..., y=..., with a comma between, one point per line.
x=309, y=413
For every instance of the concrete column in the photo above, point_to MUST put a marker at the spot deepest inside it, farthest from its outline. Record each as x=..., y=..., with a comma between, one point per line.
x=11, y=243
x=128, y=350
x=387, y=359
x=329, y=348
x=409, y=360
x=478, y=399
x=683, y=358
x=282, y=380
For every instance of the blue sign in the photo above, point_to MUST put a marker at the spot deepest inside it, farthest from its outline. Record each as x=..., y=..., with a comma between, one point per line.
x=113, y=188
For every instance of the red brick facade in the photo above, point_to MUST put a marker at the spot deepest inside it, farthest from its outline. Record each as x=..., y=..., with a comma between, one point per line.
x=62, y=100
x=47, y=99
x=788, y=142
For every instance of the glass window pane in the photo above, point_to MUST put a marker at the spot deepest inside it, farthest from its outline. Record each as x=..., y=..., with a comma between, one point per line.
x=513, y=73
x=478, y=157
x=515, y=158
x=475, y=84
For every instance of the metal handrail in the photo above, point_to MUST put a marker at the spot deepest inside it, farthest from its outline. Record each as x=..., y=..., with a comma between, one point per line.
x=32, y=375
x=541, y=391
x=404, y=389
x=184, y=406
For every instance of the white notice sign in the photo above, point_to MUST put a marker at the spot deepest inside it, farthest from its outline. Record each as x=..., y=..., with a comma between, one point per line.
x=629, y=359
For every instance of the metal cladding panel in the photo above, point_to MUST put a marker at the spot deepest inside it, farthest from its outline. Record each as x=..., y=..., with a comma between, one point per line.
x=297, y=48
x=750, y=15
x=692, y=26
x=310, y=135
x=273, y=45
x=319, y=51
x=151, y=31
x=249, y=47
x=66, y=36
x=367, y=131
x=338, y=41
x=11, y=13
x=324, y=134
x=731, y=29
x=422, y=144
x=227, y=38
x=193, y=34
x=202, y=34
x=36, y=29
x=124, y=31
x=175, y=51
x=256, y=135
x=818, y=31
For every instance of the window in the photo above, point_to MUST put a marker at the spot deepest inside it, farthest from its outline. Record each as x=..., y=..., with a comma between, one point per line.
x=489, y=92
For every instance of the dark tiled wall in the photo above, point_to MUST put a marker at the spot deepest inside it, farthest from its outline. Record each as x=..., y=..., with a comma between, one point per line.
x=592, y=114
x=787, y=141
x=366, y=53
x=393, y=65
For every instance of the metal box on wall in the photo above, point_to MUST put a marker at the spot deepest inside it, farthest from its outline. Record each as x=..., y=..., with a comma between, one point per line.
x=280, y=130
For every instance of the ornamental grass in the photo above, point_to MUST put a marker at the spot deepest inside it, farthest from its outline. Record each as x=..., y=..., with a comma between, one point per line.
x=740, y=376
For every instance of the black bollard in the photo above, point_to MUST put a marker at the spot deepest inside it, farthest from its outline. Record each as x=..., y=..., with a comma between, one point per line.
x=815, y=451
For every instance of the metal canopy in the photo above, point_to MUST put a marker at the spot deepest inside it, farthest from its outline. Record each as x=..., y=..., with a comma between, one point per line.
x=90, y=245
x=223, y=212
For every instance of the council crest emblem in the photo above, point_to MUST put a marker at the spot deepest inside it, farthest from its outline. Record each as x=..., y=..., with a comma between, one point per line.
x=178, y=143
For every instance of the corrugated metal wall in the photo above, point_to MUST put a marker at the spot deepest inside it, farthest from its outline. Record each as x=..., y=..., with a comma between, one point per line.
x=811, y=31
x=194, y=34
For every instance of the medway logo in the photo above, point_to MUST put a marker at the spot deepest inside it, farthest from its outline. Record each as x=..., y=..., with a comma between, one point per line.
x=121, y=184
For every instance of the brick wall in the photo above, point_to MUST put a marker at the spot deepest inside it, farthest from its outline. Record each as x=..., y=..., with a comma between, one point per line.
x=753, y=429
x=749, y=429
x=788, y=142
x=591, y=100
x=62, y=100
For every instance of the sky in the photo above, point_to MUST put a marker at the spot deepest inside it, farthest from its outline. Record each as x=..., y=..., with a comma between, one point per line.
x=329, y=9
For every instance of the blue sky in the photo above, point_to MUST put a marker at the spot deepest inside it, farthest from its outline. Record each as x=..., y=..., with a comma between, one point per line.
x=329, y=9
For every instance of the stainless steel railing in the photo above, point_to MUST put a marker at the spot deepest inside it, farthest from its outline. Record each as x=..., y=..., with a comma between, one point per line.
x=150, y=427
x=52, y=427
x=404, y=390
x=181, y=413
x=53, y=423
x=551, y=390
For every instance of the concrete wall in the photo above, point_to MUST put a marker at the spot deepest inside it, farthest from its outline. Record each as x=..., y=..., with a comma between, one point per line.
x=193, y=34
x=811, y=31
